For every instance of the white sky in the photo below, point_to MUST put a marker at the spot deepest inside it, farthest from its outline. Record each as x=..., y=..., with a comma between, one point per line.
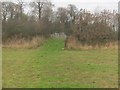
x=90, y=5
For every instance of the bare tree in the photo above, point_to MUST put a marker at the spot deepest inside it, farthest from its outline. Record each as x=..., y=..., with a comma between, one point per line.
x=4, y=10
x=37, y=6
x=21, y=4
x=72, y=12
x=11, y=9
x=47, y=12
x=62, y=15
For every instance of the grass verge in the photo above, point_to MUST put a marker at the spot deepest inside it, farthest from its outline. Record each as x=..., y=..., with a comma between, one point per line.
x=52, y=67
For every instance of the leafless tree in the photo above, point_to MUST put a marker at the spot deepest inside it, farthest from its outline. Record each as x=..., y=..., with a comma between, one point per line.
x=37, y=7
x=4, y=10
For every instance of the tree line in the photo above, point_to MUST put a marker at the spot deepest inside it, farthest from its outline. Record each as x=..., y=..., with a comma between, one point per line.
x=20, y=19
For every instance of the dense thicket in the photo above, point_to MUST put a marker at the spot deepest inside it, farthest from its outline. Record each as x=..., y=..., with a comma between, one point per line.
x=41, y=19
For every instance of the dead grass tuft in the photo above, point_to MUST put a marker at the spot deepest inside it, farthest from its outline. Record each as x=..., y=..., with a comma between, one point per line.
x=113, y=45
x=86, y=47
x=24, y=43
x=72, y=43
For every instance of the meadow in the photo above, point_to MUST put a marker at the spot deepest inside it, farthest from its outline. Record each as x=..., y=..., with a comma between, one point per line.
x=50, y=66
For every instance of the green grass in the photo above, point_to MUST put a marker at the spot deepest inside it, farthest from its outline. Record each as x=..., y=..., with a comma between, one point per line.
x=51, y=67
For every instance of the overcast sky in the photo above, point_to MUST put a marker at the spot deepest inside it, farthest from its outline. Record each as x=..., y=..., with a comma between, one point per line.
x=90, y=5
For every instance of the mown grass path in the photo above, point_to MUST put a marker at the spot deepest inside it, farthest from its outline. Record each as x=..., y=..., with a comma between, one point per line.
x=50, y=66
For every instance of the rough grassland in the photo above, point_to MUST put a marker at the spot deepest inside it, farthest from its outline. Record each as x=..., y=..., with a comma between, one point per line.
x=49, y=66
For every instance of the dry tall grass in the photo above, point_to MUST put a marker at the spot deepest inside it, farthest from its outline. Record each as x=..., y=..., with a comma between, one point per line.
x=72, y=43
x=85, y=47
x=113, y=45
x=23, y=43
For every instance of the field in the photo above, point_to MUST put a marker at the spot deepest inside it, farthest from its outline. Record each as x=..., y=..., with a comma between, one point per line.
x=50, y=66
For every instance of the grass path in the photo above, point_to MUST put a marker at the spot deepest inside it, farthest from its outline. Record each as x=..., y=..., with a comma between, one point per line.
x=50, y=66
